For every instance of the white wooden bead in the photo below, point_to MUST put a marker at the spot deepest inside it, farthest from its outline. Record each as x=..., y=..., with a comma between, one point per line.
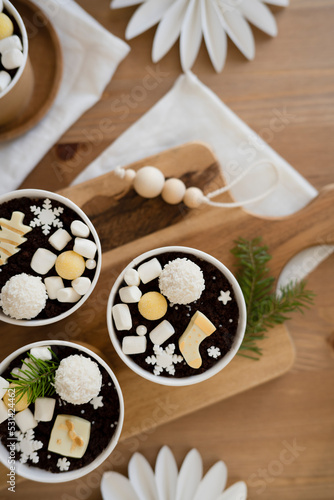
x=129, y=175
x=193, y=197
x=149, y=182
x=91, y=264
x=141, y=330
x=173, y=191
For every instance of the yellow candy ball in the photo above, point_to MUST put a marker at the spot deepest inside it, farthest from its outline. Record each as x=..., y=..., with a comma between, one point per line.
x=6, y=26
x=70, y=265
x=21, y=403
x=152, y=305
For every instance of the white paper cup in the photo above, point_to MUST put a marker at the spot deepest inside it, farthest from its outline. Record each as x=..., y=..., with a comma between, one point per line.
x=43, y=476
x=194, y=379
x=38, y=193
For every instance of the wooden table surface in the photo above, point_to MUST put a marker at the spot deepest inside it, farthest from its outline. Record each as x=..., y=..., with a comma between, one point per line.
x=292, y=75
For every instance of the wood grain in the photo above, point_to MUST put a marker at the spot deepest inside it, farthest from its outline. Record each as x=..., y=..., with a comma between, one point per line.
x=292, y=73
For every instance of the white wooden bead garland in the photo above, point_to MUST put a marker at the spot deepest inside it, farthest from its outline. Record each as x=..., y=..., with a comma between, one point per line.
x=149, y=182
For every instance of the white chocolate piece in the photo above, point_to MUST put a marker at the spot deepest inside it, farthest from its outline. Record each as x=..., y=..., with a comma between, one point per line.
x=68, y=295
x=193, y=197
x=122, y=316
x=84, y=247
x=141, y=330
x=129, y=175
x=53, y=284
x=66, y=429
x=25, y=420
x=130, y=294
x=79, y=228
x=12, y=59
x=173, y=191
x=4, y=384
x=132, y=278
x=149, y=182
x=43, y=353
x=59, y=239
x=5, y=80
x=198, y=329
x=42, y=261
x=4, y=413
x=44, y=409
x=10, y=42
x=134, y=344
x=162, y=332
x=81, y=285
x=90, y=264
x=149, y=270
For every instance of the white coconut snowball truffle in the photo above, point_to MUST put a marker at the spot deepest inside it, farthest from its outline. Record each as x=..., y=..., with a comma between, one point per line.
x=78, y=379
x=181, y=281
x=23, y=296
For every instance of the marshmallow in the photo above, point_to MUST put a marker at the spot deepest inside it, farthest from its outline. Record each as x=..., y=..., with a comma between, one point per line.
x=12, y=59
x=130, y=294
x=44, y=409
x=42, y=353
x=25, y=420
x=68, y=295
x=5, y=80
x=3, y=412
x=26, y=366
x=78, y=228
x=1, y=5
x=134, y=345
x=122, y=316
x=131, y=277
x=43, y=260
x=86, y=248
x=91, y=264
x=141, y=330
x=11, y=42
x=53, y=284
x=81, y=285
x=149, y=270
x=162, y=332
x=4, y=384
x=59, y=239
x=15, y=372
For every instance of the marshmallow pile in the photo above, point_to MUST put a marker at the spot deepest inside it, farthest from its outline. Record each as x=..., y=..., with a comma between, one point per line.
x=11, y=49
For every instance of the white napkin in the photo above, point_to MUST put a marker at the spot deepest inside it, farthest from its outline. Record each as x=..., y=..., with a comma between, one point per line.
x=190, y=111
x=91, y=55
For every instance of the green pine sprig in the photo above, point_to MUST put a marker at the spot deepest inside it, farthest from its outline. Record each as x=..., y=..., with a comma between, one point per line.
x=265, y=307
x=37, y=380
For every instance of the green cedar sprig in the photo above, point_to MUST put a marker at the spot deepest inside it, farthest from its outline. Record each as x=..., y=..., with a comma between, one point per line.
x=265, y=307
x=37, y=380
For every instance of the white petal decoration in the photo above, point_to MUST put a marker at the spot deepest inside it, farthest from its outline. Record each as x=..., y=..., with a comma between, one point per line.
x=259, y=15
x=169, y=29
x=119, y=4
x=237, y=491
x=166, y=474
x=190, y=476
x=213, y=483
x=214, y=35
x=114, y=486
x=142, y=478
x=280, y=3
x=191, y=35
x=146, y=16
x=240, y=33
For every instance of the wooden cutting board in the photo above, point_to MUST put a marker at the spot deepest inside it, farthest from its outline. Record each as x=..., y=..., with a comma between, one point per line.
x=129, y=225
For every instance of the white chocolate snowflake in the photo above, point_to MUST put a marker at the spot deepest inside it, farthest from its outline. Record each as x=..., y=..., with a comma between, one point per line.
x=164, y=359
x=96, y=402
x=46, y=216
x=224, y=297
x=63, y=464
x=27, y=446
x=214, y=352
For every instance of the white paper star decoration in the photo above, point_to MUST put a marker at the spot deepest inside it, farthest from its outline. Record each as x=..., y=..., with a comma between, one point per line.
x=192, y=19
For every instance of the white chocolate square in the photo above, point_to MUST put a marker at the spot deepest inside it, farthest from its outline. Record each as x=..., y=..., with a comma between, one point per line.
x=60, y=440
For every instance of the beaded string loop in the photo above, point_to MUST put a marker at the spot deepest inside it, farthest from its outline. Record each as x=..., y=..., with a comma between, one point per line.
x=149, y=182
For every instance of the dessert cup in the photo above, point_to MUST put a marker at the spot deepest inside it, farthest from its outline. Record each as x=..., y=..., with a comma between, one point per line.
x=222, y=362
x=36, y=474
x=15, y=97
x=54, y=197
